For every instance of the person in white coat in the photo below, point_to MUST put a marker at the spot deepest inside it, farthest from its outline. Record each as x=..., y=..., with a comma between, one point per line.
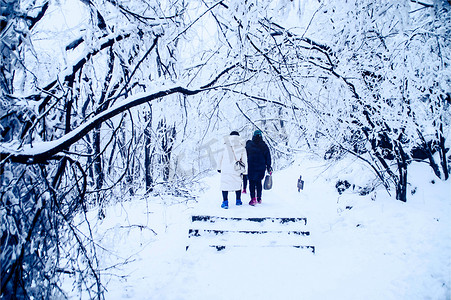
x=232, y=166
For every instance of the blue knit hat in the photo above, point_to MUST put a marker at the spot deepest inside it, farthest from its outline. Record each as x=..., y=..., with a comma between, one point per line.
x=257, y=132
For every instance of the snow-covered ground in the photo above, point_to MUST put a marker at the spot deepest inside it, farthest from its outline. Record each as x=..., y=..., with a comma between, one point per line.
x=365, y=248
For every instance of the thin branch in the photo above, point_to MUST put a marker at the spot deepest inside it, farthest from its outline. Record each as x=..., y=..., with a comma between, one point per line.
x=197, y=19
x=108, y=42
x=261, y=99
x=154, y=44
x=422, y=3
x=143, y=18
x=219, y=75
x=41, y=14
x=47, y=149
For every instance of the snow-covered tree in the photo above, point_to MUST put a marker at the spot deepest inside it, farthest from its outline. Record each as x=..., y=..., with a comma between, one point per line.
x=104, y=97
x=370, y=76
x=73, y=72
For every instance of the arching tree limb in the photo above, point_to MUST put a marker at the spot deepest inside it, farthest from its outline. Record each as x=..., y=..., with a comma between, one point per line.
x=44, y=151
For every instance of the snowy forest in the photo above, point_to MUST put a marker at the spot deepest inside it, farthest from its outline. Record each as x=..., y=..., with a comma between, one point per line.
x=106, y=99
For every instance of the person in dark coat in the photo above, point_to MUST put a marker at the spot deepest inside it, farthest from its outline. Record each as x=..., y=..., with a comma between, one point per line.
x=259, y=161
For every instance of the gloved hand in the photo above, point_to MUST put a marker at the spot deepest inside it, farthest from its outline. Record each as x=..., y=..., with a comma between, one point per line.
x=269, y=169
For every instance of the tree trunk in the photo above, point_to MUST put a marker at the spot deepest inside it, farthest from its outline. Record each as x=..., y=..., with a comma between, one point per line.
x=428, y=150
x=442, y=152
x=167, y=141
x=401, y=185
x=97, y=165
x=148, y=152
x=167, y=148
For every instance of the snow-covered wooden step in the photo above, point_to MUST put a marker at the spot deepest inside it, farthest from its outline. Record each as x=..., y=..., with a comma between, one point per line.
x=308, y=248
x=226, y=245
x=248, y=237
x=225, y=232
x=215, y=219
x=251, y=224
x=201, y=232
x=218, y=245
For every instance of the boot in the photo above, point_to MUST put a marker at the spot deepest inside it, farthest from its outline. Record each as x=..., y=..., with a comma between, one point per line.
x=238, y=202
x=225, y=204
x=259, y=200
x=253, y=202
x=244, y=191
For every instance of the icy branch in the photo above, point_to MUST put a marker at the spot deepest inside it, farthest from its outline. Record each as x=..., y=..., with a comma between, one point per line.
x=422, y=3
x=41, y=152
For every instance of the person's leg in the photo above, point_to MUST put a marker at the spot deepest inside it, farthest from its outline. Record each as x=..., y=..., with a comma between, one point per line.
x=252, y=185
x=238, y=197
x=225, y=202
x=252, y=188
x=244, y=183
x=259, y=188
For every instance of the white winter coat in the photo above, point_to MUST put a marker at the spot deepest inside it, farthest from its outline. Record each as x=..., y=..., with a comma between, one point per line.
x=233, y=151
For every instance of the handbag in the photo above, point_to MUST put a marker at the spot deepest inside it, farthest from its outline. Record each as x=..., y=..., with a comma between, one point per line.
x=267, y=185
x=240, y=166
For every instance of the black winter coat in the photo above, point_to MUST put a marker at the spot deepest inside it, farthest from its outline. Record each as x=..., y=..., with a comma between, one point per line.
x=258, y=159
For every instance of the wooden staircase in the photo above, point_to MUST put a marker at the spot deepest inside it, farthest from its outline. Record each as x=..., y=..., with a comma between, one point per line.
x=224, y=232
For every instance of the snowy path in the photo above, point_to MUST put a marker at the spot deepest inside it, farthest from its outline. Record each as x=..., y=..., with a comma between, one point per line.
x=237, y=273
x=250, y=272
x=365, y=249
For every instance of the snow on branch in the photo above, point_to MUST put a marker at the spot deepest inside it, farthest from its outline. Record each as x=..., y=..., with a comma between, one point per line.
x=422, y=3
x=70, y=71
x=142, y=18
x=41, y=13
x=44, y=151
x=261, y=99
x=197, y=19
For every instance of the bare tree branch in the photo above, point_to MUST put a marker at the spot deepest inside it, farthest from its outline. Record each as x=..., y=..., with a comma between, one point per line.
x=197, y=19
x=422, y=3
x=46, y=150
x=108, y=42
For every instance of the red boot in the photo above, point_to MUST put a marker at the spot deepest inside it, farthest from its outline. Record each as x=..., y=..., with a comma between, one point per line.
x=253, y=202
